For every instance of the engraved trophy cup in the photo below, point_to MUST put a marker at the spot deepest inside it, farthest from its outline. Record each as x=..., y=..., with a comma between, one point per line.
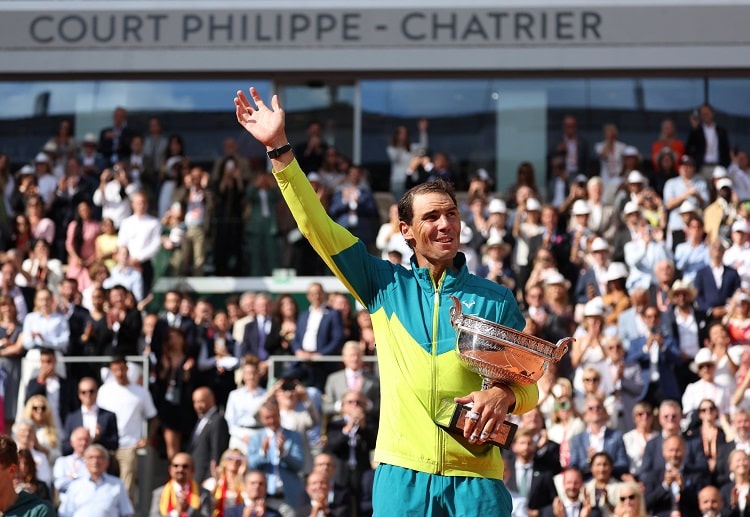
x=498, y=354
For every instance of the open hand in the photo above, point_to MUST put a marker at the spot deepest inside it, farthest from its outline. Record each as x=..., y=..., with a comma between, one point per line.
x=265, y=124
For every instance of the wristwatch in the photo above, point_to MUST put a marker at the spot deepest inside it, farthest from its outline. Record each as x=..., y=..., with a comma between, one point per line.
x=275, y=153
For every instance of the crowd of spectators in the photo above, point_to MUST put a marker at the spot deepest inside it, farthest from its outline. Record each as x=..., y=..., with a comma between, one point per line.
x=644, y=261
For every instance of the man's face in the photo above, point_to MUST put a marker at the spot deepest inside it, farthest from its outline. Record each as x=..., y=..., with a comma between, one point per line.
x=669, y=419
x=315, y=295
x=120, y=373
x=572, y=484
x=601, y=468
x=741, y=425
x=48, y=363
x=270, y=418
x=250, y=374
x=524, y=448
x=67, y=290
x=140, y=204
x=202, y=401
x=80, y=440
x=569, y=126
x=434, y=230
x=716, y=251
x=317, y=486
x=181, y=468
x=172, y=302
x=673, y=451
x=707, y=115
x=595, y=413
x=352, y=358
x=87, y=392
x=96, y=461
x=324, y=464
x=262, y=305
x=43, y=300
x=255, y=486
x=709, y=501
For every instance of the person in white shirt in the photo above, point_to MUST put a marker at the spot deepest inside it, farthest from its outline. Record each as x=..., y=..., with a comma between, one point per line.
x=113, y=194
x=243, y=404
x=141, y=234
x=705, y=387
x=124, y=275
x=69, y=468
x=133, y=406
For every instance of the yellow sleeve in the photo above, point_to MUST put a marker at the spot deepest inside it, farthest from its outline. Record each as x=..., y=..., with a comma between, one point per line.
x=527, y=398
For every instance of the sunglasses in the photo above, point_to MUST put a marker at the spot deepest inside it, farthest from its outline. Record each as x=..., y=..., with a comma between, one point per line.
x=234, y=457
x=86, y=392
x=39, y=408
x=707, y=409
x=595, y=408
x=562, y=405
x=353, y=402
x=180, y=466
x=629, y=497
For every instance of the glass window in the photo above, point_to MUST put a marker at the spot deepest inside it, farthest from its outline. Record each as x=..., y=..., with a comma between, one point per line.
x=729, y=98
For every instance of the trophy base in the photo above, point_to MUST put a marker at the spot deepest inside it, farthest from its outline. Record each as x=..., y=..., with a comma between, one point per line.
x=452, y=417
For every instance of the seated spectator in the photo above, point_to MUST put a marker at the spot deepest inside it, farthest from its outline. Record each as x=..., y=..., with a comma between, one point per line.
x=591, y=382
x=494, y=264
x=626, y=232
x=741, y=430
x=210, y=436
x=658, y=355
x=631, y=502
x=547, y=455
x=710, y=434
x=636, y=439
x=352, y=377
x=601, y=490
x=587, y=350
x=597, y=438
x=716, y=283
x=530, y=484
x=113, y=194
x=736, y=255
x=225, y=486
x=622, y=381
x=692, y=255
x=42, y=228
x=615, y=299
x=57, y=392
x=24, y=434
x=278, y=453
x=243, y=405
x=630, y=322
x=96, y=492
x=99, y=423
x=216, y=360
x=705, y=387
x=106, y=245
x=565, y=421
x=734, y=490
x=38, y=410
x=642, y=254
x=658, y=291
x=26, y=478
x=685, y=187
x=727, y=358
x=738, y=319
x=67, y=468
x=570, y=498
x=592, y=283
x=688, y=326
x=254, y=498
x=298, y=413
x=721, y=214
x=338, y=495
x=317, y=489
x=41, y=270
x=671, y=486
x=124, y=275
x=351, y=439
x=181, y=495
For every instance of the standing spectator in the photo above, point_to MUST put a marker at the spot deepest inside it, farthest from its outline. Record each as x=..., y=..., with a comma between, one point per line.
x=400, y=151
x=92, y=163
x=312, y=152
x=319, y=332
x=170, y=173
x=277, y=452
x=72, y=190
x=55, y=389
x=11, y=351
x=254, y=498
x=688, y=326
x=243, y=405
x=42, y=227
x=352, y=377
x=636, y=439
x=642, y=254
x=141, y=234
x=133, y=407
x=610, y=152
x=261, y=334
x=40, y=269
x=124, y=322
x=113, y=194
x=124, y=275
x=389, y=237
x=198, y=201
x=297, y=412
x=210, y=436
x=154, y=153
x=741, y=441
x=353, y=206
x=231, y=152
x=80, y=244
x=181, y=494
x=739, y=173
x=601, y=490
x=96, y=493
x=711, y=436
x=705, y=387
x=216, y=359
x=685, y=187
x=48, y=433
x=666, y=142
x=114, y=141
x=692, y=255
x=716, y=283
x=573, y=147
x=707, y=142
x=229, y=191
x=100, y=424
x=67, y=468
x=17, y=504
x=261, y=226
x=45, y=180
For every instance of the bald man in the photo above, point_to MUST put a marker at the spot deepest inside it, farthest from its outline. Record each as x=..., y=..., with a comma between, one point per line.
x=709, y=502
x=210, y=437
x=181, y=495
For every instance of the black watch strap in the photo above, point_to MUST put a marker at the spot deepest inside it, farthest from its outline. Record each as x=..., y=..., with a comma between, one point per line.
x=275, y=153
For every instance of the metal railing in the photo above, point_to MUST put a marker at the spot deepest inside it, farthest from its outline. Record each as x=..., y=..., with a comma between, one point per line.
x=275, y=359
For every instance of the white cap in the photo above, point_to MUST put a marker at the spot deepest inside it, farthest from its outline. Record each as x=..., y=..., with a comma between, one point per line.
x=631, y=151
x=26, y=169
x=631, y=207
x=742, y=296
x=90, y=138
x=41, y=158
x=688, y=207
x=637, y=177
x=581, y=207
x=533, y=205
x=719, y=172
x=497, y=206
x=599, y=244
x=593, y=308
x=555, y=277
x=314, y=176
x=616, y=270
x=495, y=240
x=723, y=183
x=50, y=147
x=740, y=226
x=704, y=356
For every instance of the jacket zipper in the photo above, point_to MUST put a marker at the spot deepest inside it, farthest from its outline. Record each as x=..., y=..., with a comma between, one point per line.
x=434, y=387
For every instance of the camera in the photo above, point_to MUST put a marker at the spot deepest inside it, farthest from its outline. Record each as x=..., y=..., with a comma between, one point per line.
x=289, y=385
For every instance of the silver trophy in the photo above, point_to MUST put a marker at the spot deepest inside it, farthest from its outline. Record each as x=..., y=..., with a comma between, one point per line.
x=498, y=354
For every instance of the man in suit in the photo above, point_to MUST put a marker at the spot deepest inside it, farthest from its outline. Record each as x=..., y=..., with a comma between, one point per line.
x=261, y=333
x=318, y=488
x=210, y=436
x=181, y=494
x=546, y=452
x=713, y=296
x=741, y=428
x=708, y=142
x=278, y=453
x=573, y=148
x=255, y=502
x=339, y=494
x=570, y=500
x=171, y=317
x=597, y=437
x=48, y=383
x=114, y=141
x=630, y=324
x=78, y=320
x=100, y=423
x=529, y=483
x=320, y=332
x=671, y=485
x=352, y=377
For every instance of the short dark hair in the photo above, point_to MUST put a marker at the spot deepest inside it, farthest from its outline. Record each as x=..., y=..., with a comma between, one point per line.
x=8, y=451
x=406, y=203
x=117, y=359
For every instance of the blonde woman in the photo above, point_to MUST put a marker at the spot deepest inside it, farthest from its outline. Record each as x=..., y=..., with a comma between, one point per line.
x=39, y=411
x=630, y=501
x=226, y=487
x=566, y=422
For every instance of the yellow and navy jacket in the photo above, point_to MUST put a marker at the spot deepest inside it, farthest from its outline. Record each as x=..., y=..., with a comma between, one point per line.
x=415, y=340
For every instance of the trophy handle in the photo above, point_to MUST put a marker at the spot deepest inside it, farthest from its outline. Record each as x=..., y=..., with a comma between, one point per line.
x=455, y=311
x=561, y=348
